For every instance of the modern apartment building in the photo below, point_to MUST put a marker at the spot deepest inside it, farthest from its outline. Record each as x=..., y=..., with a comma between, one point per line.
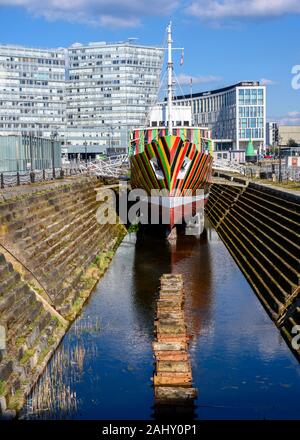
x=32, y=88
x=287, y=133
x=109, y=91
x=235, y=114
x=271, y=134
x=90, y=95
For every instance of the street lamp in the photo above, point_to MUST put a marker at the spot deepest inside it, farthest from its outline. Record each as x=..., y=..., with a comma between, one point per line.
x=85, y=150
x=279, y=156
x=53, y=137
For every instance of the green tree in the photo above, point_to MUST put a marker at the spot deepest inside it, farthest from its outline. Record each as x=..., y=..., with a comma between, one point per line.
x=292, y=143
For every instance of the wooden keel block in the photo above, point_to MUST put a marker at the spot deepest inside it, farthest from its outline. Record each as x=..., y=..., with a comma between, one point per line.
x=165, y=355
x=168, y=309
x=178, y=394
x=165, y=303
x=169, y=322
x=169, y=346
x=173, y=367
x=162, y=337
x=171, y=329
x=179, y=379
x=170, y=315
x=168, y=292
x=172, y=297
x=171, y=275
x=173, y=376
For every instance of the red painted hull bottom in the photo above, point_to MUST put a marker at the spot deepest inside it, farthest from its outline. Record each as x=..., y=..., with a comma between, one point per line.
x=172, y=211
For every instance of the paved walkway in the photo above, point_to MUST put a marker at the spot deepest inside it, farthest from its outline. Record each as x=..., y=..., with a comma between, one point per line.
x=265, y=184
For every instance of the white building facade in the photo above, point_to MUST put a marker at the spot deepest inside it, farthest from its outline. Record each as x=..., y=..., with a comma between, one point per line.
x=235, y=114
x=110, y=90
x=87, y=96
x=32, y=91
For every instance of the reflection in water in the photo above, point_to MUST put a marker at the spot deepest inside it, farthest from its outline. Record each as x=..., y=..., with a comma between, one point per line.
x=241, y=365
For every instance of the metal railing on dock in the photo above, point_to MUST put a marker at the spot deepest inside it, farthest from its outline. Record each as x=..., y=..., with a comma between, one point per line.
x=10, y=179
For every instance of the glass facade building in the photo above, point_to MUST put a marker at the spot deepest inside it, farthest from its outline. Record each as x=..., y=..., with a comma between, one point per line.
x=110, y=90
x=32, y=90
x=91, y=95
x=235, y=114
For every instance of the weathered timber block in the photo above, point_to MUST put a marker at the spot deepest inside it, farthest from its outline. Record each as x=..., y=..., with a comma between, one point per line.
x=167, y=309
x=171, y=276
x=162, y=337
x=166, y=355
x=167, y=394
x=170, y=315
x=169, y=282
x=171, y=287
x=171, y=297
x=173, y=367
x=162, y=303
x=169, y=346
x=169, y=321
x=179, y=379
x=172, y=328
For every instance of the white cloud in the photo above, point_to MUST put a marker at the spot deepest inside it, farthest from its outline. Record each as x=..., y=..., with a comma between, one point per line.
x=114, y=13
x=184, y=80
x=291, y=118
x=267, y=82
x=128, y=13
x=294, y=114
x=220, y=10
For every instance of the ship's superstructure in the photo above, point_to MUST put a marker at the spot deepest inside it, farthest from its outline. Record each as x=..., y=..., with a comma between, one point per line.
x=171, y=155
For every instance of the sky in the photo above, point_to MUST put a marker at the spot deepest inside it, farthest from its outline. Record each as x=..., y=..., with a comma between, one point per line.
x=225, y=41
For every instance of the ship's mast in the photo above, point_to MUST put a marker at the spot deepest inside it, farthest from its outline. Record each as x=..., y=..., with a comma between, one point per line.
x=170, y=78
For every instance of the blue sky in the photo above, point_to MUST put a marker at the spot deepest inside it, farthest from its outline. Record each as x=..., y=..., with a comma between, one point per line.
x=225, y=41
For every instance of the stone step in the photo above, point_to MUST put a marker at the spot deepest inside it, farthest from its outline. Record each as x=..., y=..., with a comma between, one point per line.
x=18, y=210
x=289, y=250
x=57, y=240
x=49, y=220
x=65, y=255
x=77, y=259
x=259, y=284
x=262, y=253
x=276, y=200
x=286, y=219
x=255, y=260
x=8, y=282
x=274, y=251
x=19, y=308
x=24, y=323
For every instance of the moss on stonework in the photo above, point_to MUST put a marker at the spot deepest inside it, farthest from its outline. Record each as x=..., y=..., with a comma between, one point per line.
x=20, y=340
x=27, y=355
x=3, y=388
x=94, y=272
x=43, y=354
x=16, y=401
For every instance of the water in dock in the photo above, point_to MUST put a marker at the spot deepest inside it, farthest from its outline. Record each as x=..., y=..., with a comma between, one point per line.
x=241, y=366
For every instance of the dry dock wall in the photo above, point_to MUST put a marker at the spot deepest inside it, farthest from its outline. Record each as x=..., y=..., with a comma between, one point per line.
x=52, y=253
x=261, y=229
